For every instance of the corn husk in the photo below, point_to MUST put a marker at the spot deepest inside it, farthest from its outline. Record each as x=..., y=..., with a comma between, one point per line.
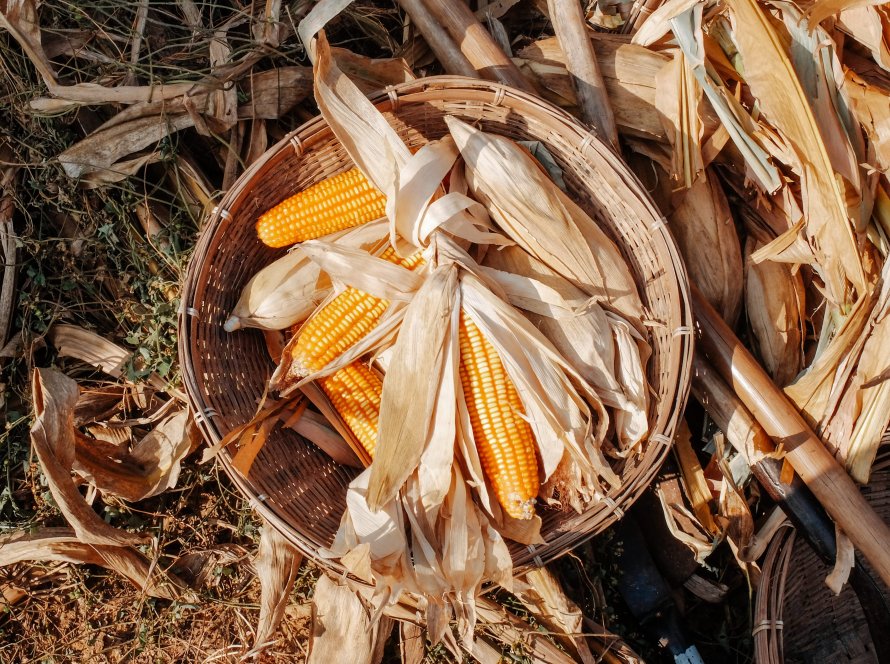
x=773, y=81
x=736, y=121
x=862, y=414
x=542, y=219
x=871, y=106
x=417, y=384
x=678, y=95
x=865, y=24
x=286, y=291
x=775, y=296
x=706, y=235
x=629, y=72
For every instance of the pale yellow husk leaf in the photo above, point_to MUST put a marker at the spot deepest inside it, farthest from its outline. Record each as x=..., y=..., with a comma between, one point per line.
x=678, y=96
x=286, y=291
x=775, y=84
x=866, y=25
x=533, y=212
x=775, y=296
x=706, y=235
x=411, y=391
x=629, y=72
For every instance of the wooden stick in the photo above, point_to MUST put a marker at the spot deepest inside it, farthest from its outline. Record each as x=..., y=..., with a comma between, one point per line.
x=816, y=466
x=746, y=435
x=475, y=43
x=440, y=42
x=571, y=32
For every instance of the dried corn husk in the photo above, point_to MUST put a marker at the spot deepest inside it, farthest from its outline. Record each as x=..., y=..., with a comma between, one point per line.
x=628, y=70
x=678, y=95
x=773, y=81
x=539, y=217
x=866, y=25
x=416, y=520
x=863, y=412
x=706, y=235
x=775, y=296
x=737, y=122
x=871, y=106
x=286, y=291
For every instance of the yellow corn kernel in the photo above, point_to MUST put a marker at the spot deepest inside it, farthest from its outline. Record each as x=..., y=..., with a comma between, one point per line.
x=504, y=440
x=336, y=203
x=355, y=392
x=343, y=322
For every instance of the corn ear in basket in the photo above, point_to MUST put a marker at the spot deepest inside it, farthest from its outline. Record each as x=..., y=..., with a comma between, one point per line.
x=334, y=204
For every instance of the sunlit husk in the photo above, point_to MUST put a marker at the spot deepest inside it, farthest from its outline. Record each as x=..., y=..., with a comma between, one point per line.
x=533, y=212
x=706, y=235
x=773, y=81
x=286, y=291
x=774, y=296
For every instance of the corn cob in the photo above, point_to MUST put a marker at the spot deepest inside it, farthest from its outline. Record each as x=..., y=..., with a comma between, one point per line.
x=355, y=392
x=344, y=321
x=504, y=440
x=339, y=202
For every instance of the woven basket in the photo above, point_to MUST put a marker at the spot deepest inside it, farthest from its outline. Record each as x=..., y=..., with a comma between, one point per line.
x=797, y=618
x=294, y=485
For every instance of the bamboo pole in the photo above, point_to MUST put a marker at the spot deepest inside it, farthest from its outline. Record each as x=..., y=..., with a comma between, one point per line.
x=483, y=52
x=571, y=32
x=747, y=437
x=828, y=481
x=440, y=42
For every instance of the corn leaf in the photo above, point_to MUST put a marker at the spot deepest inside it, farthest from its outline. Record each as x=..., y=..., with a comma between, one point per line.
x=53, y=438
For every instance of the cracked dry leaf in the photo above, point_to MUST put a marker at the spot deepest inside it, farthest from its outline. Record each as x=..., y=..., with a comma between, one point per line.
x=150, y=468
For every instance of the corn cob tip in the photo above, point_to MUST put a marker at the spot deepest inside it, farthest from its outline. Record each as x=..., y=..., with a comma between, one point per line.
x=518, y=508
x=234, y=323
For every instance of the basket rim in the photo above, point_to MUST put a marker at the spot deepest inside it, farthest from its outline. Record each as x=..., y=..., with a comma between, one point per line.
x=474, y=92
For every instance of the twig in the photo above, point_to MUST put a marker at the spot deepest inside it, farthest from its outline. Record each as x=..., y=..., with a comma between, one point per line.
x=477, y=45
x=440, y=42
x=139, y=31
x=7, y=241
x=569, y=25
